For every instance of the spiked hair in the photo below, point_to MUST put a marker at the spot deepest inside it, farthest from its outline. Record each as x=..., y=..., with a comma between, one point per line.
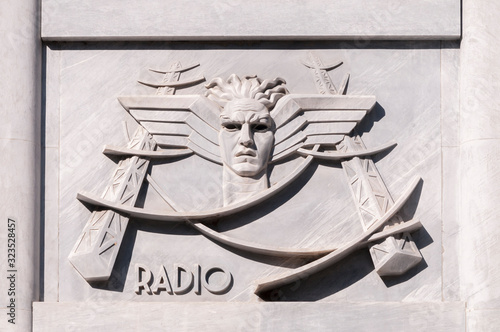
x=267, y=92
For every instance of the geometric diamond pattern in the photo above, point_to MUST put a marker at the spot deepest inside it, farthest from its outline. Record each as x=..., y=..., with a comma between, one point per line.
x=373, y=200
x=101, y=238
x=95, y=252
x=370, y=194
x=321, y=78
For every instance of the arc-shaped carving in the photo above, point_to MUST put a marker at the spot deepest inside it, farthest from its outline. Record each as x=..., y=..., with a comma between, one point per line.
x=340, y=155
x=159, y=153
x=183, y=125
x=273, y=282
x=100, y=240
x=197, y=216
x=257, y=248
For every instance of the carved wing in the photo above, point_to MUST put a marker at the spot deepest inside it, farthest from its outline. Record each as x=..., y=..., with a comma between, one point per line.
x=306, y=120
x=189, y=122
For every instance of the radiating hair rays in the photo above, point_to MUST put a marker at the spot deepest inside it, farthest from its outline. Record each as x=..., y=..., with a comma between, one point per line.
x=267, y=92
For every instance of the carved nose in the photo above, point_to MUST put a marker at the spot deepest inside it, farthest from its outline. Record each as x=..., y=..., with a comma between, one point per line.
x=246, y=135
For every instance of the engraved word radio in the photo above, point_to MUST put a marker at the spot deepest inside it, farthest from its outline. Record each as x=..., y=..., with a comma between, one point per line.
x=182, y=279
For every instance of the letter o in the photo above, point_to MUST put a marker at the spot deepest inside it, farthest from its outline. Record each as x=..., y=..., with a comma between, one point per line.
x=224, y=287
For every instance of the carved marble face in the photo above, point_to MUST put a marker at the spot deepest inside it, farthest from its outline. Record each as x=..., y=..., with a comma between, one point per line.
x=246, y=137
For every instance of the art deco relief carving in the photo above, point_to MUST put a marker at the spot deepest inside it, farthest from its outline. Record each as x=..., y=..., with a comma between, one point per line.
x=245, y=124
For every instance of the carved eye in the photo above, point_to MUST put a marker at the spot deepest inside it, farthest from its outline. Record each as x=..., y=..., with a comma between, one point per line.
x=260, y=127
x=232, y=126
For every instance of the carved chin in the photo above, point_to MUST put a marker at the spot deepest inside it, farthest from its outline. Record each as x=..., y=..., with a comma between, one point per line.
x=247, y=169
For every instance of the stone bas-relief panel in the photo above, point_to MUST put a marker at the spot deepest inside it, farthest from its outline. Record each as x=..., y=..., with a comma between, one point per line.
x=315, y=211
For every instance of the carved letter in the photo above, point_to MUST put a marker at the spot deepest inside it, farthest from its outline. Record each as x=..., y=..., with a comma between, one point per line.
x=222, y=287
x=143, y=277
x=197, y=279
x=162, y=282
x=180, y=286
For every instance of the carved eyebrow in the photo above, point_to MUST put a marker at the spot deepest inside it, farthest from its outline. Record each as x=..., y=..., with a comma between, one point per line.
x=236, y=118
x=231, y=124
x=260, y=118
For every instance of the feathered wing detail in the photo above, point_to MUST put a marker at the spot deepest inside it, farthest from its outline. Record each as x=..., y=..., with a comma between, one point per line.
x=306, y=120
x=192, y=122
x=189, y=122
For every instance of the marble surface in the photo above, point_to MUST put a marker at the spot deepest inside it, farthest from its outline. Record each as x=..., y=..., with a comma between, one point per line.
x=20, y=103
x=240, y=20
x=450, y=145
x=51, y=180
x=298, y=316
x=483, y=319
x=438, y=100
x=480, y=152
x=87, y=116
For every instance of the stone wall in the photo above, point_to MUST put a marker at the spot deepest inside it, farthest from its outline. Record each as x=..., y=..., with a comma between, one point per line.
x=160, y=232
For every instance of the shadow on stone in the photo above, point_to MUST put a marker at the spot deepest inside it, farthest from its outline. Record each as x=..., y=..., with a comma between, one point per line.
x=395, y=280
x=118, y=276
x=326, y=282
x=261, y=210
x=375, y=115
